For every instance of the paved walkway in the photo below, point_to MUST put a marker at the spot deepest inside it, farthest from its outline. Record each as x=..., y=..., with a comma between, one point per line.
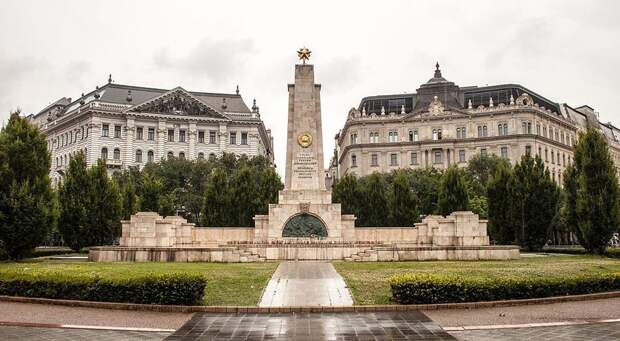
x=541, y=313
x=58, y=334
x=593, y=331
x=52, y=314
x=306, y=283
x=401, y=326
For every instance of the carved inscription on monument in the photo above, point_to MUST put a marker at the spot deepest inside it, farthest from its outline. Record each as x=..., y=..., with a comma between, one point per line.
x=305, y=165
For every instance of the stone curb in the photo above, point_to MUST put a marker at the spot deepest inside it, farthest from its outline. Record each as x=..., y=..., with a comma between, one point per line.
x=306, y=309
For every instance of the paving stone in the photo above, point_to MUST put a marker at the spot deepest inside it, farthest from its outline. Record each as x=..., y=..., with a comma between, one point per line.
x=593, y=331
x=411, y=325
x=62, y=334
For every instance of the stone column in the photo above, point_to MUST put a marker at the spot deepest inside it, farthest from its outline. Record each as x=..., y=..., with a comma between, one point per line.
x=129, y=138
x=161, y=139
x=192, y=141
x=222, y=137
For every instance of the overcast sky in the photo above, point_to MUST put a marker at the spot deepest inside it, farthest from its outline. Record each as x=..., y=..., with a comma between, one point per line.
x=567, y=51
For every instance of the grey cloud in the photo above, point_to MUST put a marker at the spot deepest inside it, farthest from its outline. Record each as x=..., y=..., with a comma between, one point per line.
x=212, y=59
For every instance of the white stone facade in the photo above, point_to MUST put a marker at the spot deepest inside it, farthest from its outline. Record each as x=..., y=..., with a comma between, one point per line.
x=447, y=132
x=136, y=133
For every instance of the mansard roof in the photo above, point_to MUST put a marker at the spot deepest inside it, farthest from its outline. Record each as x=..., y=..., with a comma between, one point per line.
x=118, y=94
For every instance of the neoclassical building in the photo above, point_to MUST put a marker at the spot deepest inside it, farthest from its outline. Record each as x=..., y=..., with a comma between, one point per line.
x=444, y=124
x=132, y=125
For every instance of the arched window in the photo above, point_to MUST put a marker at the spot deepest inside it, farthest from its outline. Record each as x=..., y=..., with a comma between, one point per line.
x=211, y=156
x=201, y=156
x=170, y=155
x=117, y=154
x=138, y=156
x=181, y=155
x=150, y=157
x=104, y=153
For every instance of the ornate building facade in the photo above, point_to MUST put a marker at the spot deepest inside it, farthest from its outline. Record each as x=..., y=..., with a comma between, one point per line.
x=132, y=125
x=443, y=124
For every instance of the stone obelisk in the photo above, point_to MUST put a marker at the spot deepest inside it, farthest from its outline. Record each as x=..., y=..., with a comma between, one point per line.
x=304, y=149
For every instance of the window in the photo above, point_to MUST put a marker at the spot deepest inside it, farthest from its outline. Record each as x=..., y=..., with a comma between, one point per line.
x=562, y=137
x=461, y=156
x=545, y=131
x=502, y=129
x=374, y=160
x=182, y=135
x=374, y=137
x=139, y=133
x=150, y=156
x=438, y=157
x=461, y=133
x=212, y=137
x=563, y=159
x=410, y=135
x=117, y=131
x=528, y=150
x=415, y=136
x=436, y=134
x=104, y=153
x=482, y=131
x=353, y=160
x=483, y=151
x=151, y=134
x=181, y=155
x=244, y=138
x=537, y=129
x=105, y=130
x=529, y=127
x=170, y=135
x=523, y=128
x=414, y=158
x=201, y=156
x=546, y=155
x=393, y=136
x=117, y=154
x=353, y=138
x=504, y=152
x=557, y=135
x=552, y=157
x=540, y=152
x=138, y=156
x=170, y=155
x=393, y=159
x=233, y=138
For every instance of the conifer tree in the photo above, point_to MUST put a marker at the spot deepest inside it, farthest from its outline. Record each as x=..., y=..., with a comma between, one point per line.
x=501, y=206
x=374, y=201
x=26, y=199
x=105, y=206
x=535, y=198
x=592, y=193
x=74, y=205
x=404, y=207
x=452, y=192
x=216, y=210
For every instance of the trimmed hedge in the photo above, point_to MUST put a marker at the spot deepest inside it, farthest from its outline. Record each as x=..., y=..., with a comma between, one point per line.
x=610, y=252
x=435, y=288
x=181, y=289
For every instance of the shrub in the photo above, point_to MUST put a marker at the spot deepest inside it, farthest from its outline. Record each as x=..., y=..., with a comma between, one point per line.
x=182, y=289
x=435, y=288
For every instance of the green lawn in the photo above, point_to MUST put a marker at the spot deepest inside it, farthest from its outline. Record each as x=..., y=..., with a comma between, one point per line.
x=227, y=283
x=368, y=282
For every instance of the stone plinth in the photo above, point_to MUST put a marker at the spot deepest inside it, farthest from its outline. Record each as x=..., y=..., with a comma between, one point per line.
x=148, y=229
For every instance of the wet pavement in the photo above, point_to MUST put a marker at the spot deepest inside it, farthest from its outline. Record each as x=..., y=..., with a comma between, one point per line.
x=306, y=283
x=582, y=332
x=61, y=334
x=311, y=326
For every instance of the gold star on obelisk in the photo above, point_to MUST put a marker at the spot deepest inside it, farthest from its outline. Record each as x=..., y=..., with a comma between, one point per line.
x=304, y=54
